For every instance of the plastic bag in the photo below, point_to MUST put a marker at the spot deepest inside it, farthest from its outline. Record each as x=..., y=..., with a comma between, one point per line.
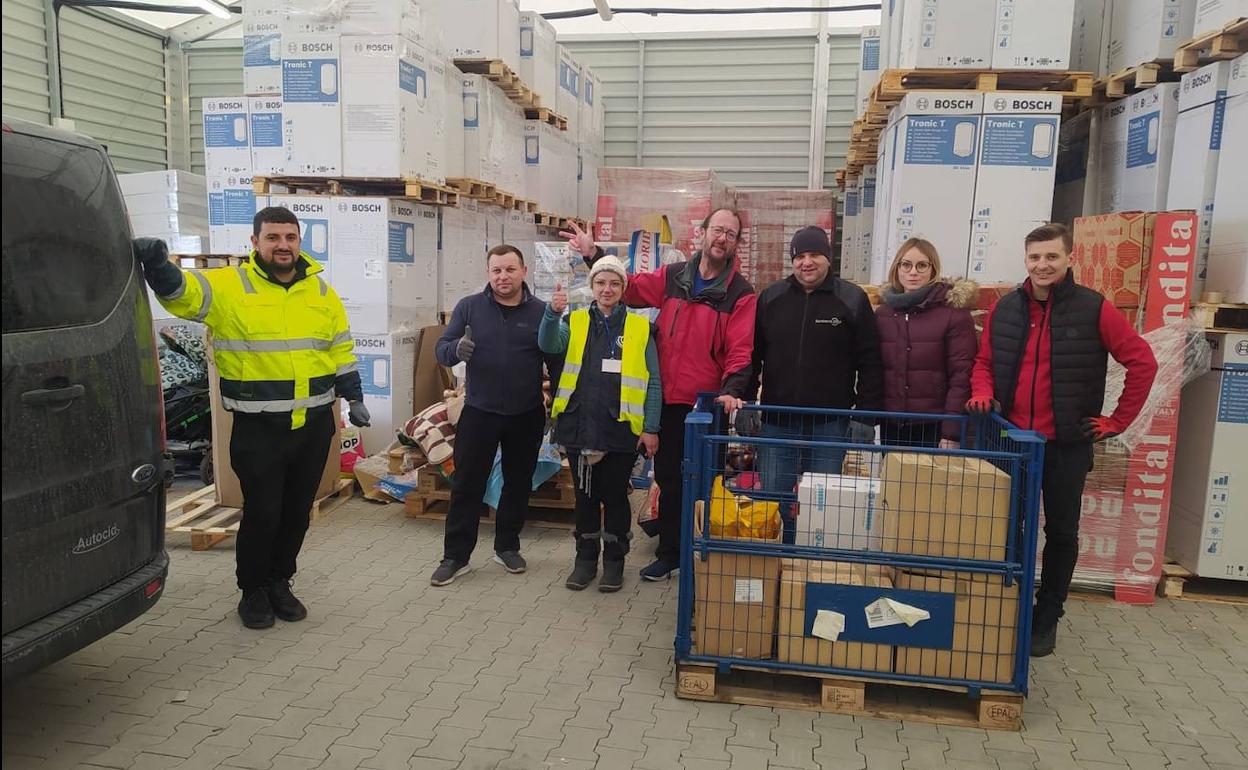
x=735, y=516
x=549, y=461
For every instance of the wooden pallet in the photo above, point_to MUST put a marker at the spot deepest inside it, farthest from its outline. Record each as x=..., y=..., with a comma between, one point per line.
x=497, y=72
x=851, y=695
x=1177, y=582
x=895, y=84
x=411, y=189
x=472, y=188
x=208, y=261
x=551, y=505
x=1130, y=80
x=525, y=206
x=547, y=115
x=208, y=524
x=1218, y=45
x=1221, y=315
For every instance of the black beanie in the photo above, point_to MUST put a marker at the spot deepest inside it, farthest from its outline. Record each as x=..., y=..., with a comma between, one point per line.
x=811, y=239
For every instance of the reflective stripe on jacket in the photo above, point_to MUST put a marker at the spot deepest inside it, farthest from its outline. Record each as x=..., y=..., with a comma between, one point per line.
x=634, y=376
x=277, y=348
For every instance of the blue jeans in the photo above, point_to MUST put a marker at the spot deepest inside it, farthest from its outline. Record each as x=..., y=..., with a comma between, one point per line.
x=781, y=466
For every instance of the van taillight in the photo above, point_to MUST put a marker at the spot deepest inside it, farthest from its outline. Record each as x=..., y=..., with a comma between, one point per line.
x=152, y=588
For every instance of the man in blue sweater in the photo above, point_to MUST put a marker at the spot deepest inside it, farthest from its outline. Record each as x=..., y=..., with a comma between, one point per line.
x=495, y=334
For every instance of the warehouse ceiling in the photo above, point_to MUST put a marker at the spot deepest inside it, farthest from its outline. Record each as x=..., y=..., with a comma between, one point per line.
x=625, y=21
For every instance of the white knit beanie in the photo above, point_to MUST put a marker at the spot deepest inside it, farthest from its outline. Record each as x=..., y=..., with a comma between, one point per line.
x=609, y=263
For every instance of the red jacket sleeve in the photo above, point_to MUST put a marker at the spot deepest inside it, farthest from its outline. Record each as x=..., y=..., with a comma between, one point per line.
x=1133, y=352
x=960, y=357
x=982, y=385
x=737, y=351
x=646, y=289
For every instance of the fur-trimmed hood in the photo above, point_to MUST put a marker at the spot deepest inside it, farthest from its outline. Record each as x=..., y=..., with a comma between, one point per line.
x=959, y=293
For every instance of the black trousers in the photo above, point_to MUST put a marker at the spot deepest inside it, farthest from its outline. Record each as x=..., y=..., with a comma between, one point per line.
x=602, y=509
x=667, y=475
x=478, y=436
x=279, y=470
x=1066, y=469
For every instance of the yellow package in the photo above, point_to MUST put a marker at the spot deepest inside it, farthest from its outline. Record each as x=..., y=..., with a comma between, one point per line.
x=737, y=516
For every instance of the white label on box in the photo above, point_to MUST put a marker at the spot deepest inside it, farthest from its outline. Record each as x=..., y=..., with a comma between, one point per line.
x=749, y=591
x=890, y=612
x=828, y=625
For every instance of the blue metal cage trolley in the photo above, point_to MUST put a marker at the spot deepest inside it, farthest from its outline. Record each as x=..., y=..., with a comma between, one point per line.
x=948, y=532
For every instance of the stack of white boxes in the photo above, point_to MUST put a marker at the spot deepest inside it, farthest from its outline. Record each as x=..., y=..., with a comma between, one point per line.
x=1197, y=145
x=484, y=29
x=539, y=57
x=551, y=161
x=1145, y=30
x=977, y=34
x=868, y=65
x=169, y=205
x=1214, y=14
x=462, y=246
x=849, y=230
x=590, y=145
x=1137, y=141
x=228, y=167
x=568, y=95
x=1228, y=239
x=972, y=173
x=493, y=136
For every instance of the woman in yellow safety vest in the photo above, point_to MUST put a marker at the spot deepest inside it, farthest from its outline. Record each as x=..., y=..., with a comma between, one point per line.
x=606, y=409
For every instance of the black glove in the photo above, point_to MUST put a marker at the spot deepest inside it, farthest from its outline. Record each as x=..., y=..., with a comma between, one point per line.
x=358, y=414
x=163, y=276
x=150, y=252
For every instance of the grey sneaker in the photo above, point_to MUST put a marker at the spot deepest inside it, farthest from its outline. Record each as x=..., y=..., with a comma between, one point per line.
x=447, y=571
x=512, y=561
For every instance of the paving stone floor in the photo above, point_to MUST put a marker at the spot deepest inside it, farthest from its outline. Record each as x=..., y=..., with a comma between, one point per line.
x=515, y=671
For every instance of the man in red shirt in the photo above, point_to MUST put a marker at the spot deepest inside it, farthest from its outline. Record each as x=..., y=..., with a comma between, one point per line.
x=705, y=337
x=1042, y=363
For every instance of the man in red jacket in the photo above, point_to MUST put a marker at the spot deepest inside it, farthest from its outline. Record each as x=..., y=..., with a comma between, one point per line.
x=1042, y=363
x=705, y=336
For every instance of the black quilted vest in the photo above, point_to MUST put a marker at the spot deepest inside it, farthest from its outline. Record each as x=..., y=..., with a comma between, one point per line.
x=1078, y=360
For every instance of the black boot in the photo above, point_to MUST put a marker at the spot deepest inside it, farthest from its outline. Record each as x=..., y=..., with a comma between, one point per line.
x=1043, y=640
x=583, y=573
x=255, y=609
x=612, y=576
x=285, y=605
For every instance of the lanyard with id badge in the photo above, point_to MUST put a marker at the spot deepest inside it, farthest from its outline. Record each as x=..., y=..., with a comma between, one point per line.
x=611, y=364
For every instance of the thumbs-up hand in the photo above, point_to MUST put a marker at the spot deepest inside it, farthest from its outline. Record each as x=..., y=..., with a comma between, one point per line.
x=465, y=346
x=559, y=300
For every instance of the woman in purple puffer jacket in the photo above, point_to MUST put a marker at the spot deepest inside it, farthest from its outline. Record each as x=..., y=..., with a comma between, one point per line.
x=928, y=343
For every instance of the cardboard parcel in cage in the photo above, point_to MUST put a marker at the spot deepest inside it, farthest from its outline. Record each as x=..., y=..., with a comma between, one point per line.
x=735, y=594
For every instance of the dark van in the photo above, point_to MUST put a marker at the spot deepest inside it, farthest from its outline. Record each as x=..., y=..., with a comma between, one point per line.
x=83, y=461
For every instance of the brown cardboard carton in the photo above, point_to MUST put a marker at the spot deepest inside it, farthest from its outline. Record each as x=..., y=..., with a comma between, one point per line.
x=793, y=646
x=985, y=627
x=735, y=604
x=952, y=507
x=229, y=491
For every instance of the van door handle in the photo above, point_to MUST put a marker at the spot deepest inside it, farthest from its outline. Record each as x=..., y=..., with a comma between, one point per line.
x=53, y=396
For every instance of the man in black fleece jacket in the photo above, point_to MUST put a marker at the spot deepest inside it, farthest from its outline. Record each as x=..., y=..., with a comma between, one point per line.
x=495, y=334
x=815, y=345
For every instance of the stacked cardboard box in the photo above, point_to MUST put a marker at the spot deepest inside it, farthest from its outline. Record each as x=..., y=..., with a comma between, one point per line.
x=1209, y=480
x=769, y=219
x=170, y=205
x=859, y=585
x=1147, y=266
x=494, y=139
x=539, y=56
x=1147, y=30
x=977, y=34
x=1228, y=238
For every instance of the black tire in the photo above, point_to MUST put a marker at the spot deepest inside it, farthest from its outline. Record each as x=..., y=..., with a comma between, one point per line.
x=206, y=474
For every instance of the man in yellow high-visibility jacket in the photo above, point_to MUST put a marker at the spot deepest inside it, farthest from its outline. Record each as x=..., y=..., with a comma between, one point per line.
x=284, y=354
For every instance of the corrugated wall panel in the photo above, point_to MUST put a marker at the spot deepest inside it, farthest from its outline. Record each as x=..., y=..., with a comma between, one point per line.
x=113, y=87
x=615, y=62
x=210, y=72
x=739, y=106
x=842, y=103
x=25, y=82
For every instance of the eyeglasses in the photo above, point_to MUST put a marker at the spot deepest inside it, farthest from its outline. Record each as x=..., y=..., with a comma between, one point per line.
x=727, y=235
x=915, y=267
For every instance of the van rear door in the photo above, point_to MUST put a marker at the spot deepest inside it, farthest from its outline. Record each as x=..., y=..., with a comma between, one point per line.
x=83, y=487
